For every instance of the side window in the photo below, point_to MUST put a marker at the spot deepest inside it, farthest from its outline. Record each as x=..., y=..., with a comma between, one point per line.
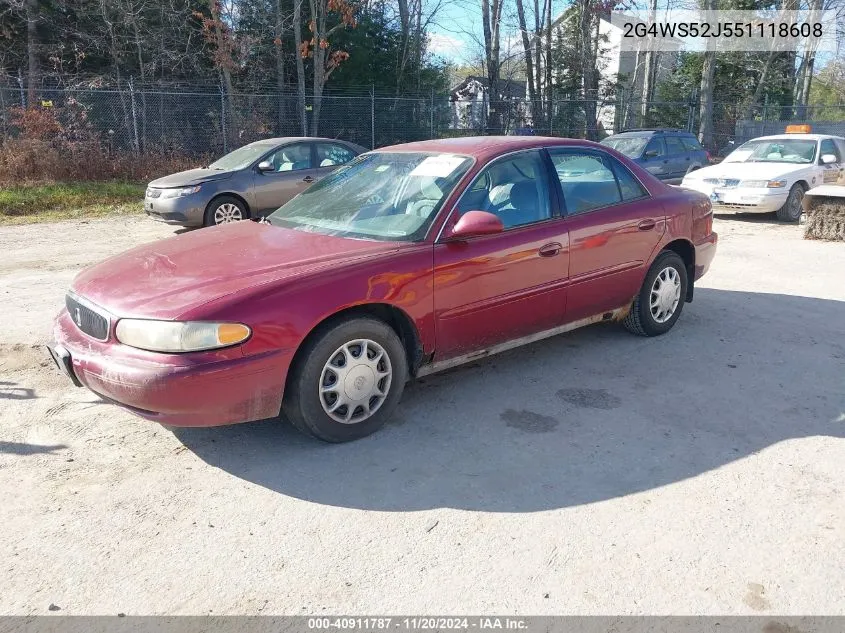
x=656, y=145
x=292, y=158
x=829, y=147
x=516, y=189
x=330, y=154
x=674, y=145
x=629, y=186
x=587, y=181
x=691, y=144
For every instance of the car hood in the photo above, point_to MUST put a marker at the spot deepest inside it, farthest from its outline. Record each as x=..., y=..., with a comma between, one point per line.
x=170, y=277
x=190, y=177
x=747, y=171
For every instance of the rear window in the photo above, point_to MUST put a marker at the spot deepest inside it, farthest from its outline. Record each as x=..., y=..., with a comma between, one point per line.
x=691, y=143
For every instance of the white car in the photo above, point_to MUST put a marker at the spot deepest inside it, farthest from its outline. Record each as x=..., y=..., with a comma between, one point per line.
x=771, y=173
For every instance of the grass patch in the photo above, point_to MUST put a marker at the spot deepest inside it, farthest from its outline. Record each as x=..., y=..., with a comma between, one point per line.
x=49, y=202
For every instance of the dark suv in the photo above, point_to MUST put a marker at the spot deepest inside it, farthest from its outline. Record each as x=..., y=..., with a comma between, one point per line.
x=668, y=154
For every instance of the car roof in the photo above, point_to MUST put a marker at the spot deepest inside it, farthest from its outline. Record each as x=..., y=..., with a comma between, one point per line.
x=647, y=132
x=280, y=140
x=487, y=146
x=806, y=137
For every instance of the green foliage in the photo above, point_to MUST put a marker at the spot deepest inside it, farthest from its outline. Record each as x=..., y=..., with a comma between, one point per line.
x=43, y=202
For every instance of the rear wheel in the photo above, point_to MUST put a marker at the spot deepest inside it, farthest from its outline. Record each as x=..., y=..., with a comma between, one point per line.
x=224, y=210
x=791, y=209
x=347, y=381
x=659, y=303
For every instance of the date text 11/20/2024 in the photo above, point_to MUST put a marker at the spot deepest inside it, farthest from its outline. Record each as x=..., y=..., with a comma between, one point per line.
x=416, y=623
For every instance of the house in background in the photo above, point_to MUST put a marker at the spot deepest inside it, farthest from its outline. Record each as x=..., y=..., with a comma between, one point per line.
x=626, y=69
x=470, y=103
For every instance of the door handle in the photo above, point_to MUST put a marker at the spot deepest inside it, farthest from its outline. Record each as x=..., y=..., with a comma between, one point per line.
x=550, y=250
x=308, y=179
x=646, y=225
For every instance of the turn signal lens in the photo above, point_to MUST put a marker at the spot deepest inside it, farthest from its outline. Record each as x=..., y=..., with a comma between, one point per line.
x=231, y=333
x=179, y=336
x=776, y=184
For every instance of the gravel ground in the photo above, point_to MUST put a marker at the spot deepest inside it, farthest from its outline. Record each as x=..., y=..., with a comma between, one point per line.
x=594, y=473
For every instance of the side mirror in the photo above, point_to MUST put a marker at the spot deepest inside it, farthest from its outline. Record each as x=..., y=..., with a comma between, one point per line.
x=473, y=223
x=265, y=165
x=650, y=153
x=827, y=159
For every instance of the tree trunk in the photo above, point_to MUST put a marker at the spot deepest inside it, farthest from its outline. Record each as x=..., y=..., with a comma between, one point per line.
x=280, y=69
x=761, y=85
x=318, y=19
x=649, y=67
x=548, y=94
x=588, y=68
x=32, y=49
x=529, y=63
x=705, y=111
x=538, y=57
x=491, y=16
x=300, y=66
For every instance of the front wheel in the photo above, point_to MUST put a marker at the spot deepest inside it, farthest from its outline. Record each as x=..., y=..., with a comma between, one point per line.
x=347, y=380
x=791, y=209
x=224, y=210
x=659, y=303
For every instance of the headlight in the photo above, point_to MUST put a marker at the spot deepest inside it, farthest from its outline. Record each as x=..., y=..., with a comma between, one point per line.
x=179, y=336
x=178, y=193
x=776, y=184
x=754, y=184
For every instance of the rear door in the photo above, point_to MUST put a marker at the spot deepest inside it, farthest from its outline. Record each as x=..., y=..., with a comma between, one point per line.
x=293, y=171
x=331, y=155
x=679, y=157
x=614, y=225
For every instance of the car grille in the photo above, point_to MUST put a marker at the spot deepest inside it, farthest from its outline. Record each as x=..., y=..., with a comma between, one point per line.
x=153, y=193
x=87, y=319
x=723, y=182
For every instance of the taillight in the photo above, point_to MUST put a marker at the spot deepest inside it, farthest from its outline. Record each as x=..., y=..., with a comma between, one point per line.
x=709, y=158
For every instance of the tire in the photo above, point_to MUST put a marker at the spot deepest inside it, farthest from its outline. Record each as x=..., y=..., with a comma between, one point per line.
x=225, y=209
x=328, y=360
x=646, y=320
x=791, y=209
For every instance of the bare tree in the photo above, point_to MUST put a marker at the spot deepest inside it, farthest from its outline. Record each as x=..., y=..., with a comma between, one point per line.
x=491, y=15
x=705, y=110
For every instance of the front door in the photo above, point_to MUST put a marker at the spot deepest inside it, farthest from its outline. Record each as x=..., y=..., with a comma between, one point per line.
x=614, y=225
x=494, y=288
x=293, y=171
x=655, y=161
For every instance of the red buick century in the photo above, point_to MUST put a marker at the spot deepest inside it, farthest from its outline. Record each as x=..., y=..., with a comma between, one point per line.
x=405, y=261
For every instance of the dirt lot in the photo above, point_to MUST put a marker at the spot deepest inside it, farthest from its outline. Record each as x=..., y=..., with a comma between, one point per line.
x=598, y=472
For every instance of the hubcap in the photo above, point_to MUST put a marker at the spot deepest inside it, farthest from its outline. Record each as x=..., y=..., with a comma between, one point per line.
x=355, y=381
x=227, y=212
x=665, y=294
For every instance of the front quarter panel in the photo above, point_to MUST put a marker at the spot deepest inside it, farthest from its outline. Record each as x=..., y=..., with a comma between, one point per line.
x=282, y=314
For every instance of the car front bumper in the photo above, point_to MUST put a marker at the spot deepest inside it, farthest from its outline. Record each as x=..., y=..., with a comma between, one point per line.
x=183, y=211
x=741, y=200
x=196, y=389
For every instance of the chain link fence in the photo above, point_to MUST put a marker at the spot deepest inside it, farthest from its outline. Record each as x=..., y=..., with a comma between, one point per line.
x=209, y=123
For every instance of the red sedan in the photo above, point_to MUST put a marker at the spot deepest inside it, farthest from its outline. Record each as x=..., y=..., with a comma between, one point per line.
x=407, y=260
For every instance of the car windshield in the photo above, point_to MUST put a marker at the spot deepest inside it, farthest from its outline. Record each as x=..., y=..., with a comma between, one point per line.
x=630, y=146
x=774, y=151
x=390, y=196
x=242, y=157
